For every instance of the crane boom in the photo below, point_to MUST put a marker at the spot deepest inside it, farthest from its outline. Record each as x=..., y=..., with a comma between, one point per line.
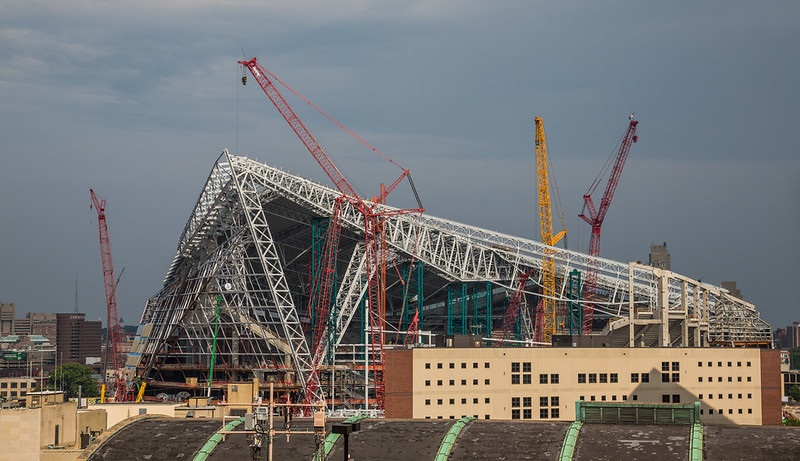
x=547, y=323
x=597, y=215
x=300, y=129
x=112, y=323
x=373, y=232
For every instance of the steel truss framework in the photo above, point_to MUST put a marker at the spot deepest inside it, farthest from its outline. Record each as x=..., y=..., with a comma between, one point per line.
x=246, y=248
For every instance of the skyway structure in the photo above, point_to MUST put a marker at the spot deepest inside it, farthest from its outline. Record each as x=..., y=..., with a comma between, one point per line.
x=239, y=286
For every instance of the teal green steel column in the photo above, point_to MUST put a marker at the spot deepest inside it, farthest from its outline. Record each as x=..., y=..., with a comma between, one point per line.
x=449, y=310
x=214, y=346
x=488, y=295
x=420, y=293
x=575, y=310
x=464, y=304
x=319, y=226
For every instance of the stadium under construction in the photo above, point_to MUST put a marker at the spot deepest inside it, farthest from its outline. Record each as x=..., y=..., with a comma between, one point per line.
x=259, y=288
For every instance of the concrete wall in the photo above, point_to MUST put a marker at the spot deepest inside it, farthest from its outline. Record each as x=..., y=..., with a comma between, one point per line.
x=19, y=437
x=117, y=412
x=499, y=383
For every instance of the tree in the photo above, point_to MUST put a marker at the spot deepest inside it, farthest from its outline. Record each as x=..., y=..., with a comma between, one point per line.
x=794, y=358
x=794, y=393
x=72, y=375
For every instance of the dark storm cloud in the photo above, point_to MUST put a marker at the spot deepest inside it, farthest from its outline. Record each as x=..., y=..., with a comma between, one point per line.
x=138, y=99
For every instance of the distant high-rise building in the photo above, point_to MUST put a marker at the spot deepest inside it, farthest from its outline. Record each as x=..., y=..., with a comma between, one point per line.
x=731, y=287
x=76, y=338
x=43, y=324
x=7, y=313
x=659, y=257
x=793, y=335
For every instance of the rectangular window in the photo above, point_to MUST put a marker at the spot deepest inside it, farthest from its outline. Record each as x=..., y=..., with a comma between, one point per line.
x=486, y=400
x=591, y=398
x=427, y=401
x=624, y=398
x=542, y=379
x=526, y=379
x=438, y=401
x=543, y=401
x=613, y=398
x=749, y=396
x=526, y=367
x=527, y=414
x=452, y=401
x=427, y=382
x=740, y=411
x=711, y=396
x=730, y=411
x=474, y=364
x=543, y=413
x=699, y=379
x=485, y=364
x=3, y=385
x=738, y=364
x=427, y=366
x=475, y=401
x=452, y=365
x=700, y=396
x=614, y=377
x=739, y=396
x=719, y=364
x=439, y=366
x=514, y=414
x=463, y=364
x=730, y=396
x=485, y=416
x=676, y=377
x=676, y=366
x=749, y=378
x=603, y=398
x=634, y=377
x=515, y=402
x=452, y=382
x=554, y=378
x=635, y=397
x=592, y=378
x=554, y=401
x=664, y=398
x=526, y=401
x=487, y=381
x=730, y=379
x=748, y=364
x=719, y=379
x=13, y=385
x=719, y=395
x=581, y=378
x=730, y=364
x=710, y=364
x=554, y=412
x=603, y=377
x=664, y=366
x=676, y=398
x=514, y=367
x=664, y=377
x=463, y=401
x=438, y=382
x=738, y=379
x=700, y=364
x=463, y=382
x=474, y=382
x=749, y=411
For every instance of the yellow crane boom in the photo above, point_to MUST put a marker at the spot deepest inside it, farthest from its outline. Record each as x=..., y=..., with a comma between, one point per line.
x=547, y=307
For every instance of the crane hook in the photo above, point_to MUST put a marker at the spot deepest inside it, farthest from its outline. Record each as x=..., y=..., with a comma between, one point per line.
x=244, y=79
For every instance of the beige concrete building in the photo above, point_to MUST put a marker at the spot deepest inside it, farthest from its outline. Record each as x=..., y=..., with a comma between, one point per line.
x=15, y=388
x=733, y=385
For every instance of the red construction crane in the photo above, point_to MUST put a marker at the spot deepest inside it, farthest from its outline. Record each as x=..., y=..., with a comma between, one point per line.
x=596, y=217
x=112, y=323
x=373, y=219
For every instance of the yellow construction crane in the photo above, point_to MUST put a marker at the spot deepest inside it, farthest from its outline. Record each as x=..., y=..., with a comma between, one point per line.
x=546, y=310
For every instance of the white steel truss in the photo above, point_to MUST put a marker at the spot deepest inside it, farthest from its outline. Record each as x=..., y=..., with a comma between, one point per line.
x=244, y=239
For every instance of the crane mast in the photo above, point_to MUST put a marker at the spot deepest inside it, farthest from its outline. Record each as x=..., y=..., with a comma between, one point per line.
x=114, y=333
x=373, y=232
x=546, y=311
x=597, y=215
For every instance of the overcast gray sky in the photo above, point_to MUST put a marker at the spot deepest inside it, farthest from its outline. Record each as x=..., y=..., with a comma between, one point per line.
x=138, y=99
